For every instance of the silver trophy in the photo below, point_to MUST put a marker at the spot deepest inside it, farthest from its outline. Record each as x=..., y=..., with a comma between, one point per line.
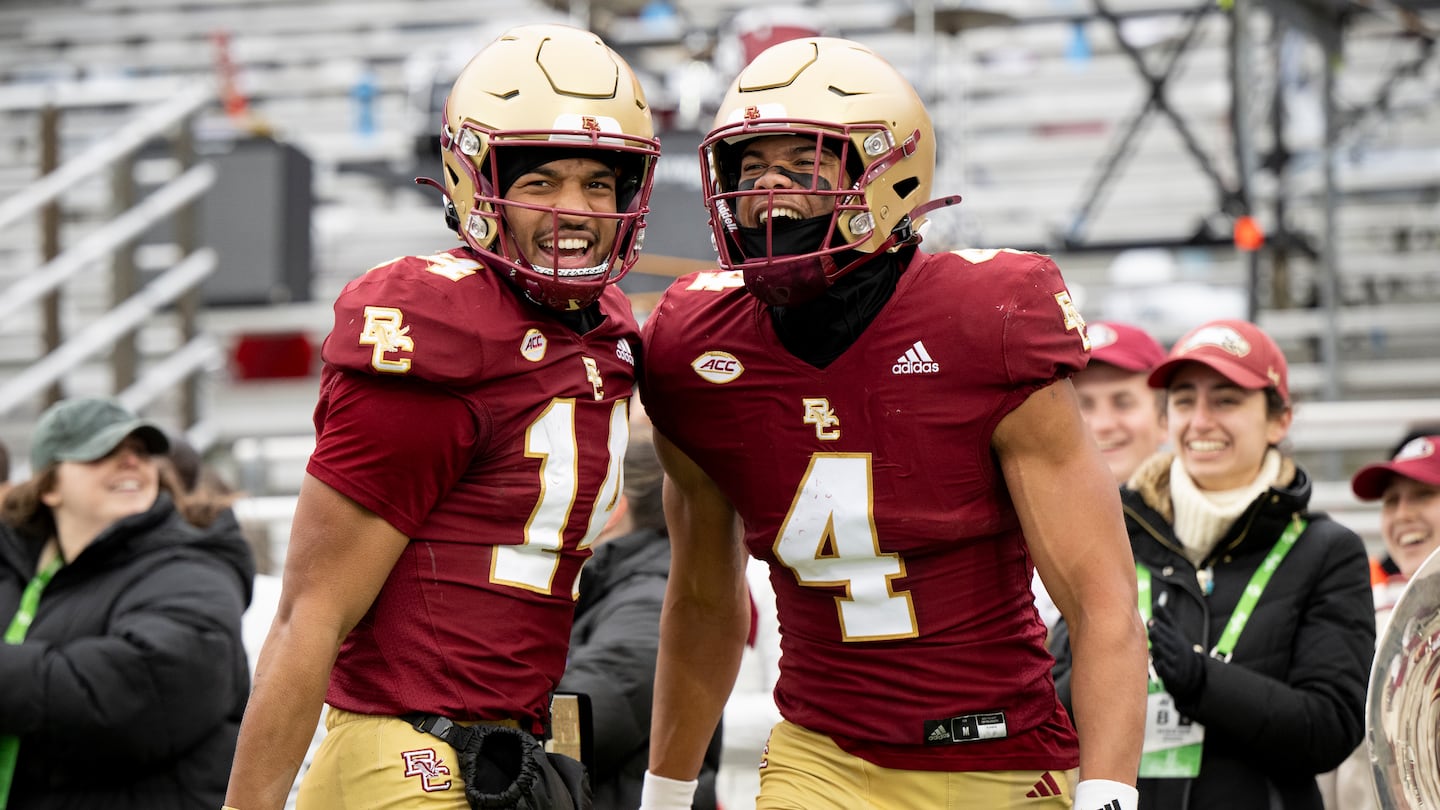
x=1402, y=710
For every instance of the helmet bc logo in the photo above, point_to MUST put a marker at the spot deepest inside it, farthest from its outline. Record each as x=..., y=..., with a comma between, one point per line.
x=751, y=113
x=426, y=765
x=589, y=124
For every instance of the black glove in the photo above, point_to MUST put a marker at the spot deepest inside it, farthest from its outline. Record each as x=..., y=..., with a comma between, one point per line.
x=1179, y=666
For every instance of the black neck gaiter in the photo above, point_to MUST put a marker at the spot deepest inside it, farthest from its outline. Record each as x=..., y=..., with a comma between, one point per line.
x=820, y=330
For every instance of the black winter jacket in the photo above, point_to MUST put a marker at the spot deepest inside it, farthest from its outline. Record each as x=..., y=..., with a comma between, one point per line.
x=128, y=689
x=1290, y=703
x=612, y=659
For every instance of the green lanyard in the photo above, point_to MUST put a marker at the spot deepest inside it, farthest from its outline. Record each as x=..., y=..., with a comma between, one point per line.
x=14, y=634
x=1246, y=606
x=1226, y=646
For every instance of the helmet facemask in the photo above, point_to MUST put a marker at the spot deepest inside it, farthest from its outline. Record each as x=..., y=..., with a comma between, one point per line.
x=537, y=91
x=486, y=228
x=787, y=261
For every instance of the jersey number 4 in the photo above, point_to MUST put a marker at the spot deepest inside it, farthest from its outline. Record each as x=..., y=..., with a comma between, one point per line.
x=551, y=438
x=829, y=540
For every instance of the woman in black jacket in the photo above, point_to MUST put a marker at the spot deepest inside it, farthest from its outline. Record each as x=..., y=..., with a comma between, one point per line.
x=124, y=674
x=1260, y=617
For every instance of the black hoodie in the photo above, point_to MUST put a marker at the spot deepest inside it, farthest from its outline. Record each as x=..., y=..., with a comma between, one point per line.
x=128, y=689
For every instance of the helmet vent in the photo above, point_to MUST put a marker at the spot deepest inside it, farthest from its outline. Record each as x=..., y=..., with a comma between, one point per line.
x=843, y=93
x=904, y=187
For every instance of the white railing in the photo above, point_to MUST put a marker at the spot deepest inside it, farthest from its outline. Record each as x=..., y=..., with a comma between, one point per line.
x=112, y=243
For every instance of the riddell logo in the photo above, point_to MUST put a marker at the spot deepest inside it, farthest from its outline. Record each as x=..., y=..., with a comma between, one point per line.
x=718, y=367
x=915, y=361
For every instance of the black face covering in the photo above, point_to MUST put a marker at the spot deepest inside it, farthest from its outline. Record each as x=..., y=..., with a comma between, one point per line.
x=822, y=329
x=788, y=237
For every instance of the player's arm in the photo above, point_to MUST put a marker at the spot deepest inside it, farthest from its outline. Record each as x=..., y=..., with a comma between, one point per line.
x=340, y=554
x=1070, y=512
x=703, y=624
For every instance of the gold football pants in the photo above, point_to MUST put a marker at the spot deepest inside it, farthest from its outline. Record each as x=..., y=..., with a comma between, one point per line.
x=803, y=770
x=374, y=762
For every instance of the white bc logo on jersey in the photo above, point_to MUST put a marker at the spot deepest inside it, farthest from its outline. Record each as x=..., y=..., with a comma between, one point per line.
x=718, y=367
x=532, y=347
x=383, y=331
x=819, y=413
x=592, y=375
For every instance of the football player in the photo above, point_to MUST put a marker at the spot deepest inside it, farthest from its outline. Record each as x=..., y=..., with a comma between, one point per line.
x=899, y=437
x=472, y=420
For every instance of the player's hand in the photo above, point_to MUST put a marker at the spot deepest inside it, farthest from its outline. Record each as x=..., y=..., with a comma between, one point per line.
x=1179, y=666
x=1103, y=794
x=661, y=793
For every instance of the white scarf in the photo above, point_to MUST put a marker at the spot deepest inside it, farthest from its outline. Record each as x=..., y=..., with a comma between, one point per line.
x=1202, y=517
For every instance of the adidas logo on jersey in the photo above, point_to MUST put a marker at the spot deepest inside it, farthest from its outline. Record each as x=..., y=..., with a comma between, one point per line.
x=940, y=734
x=1043, y=788
x=915, y=361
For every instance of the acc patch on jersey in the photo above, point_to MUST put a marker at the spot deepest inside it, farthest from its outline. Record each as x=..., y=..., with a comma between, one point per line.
x=718, y=367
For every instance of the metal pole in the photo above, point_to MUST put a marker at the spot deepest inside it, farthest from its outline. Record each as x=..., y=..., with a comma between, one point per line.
x=1329, y=270
x=1241, y=76
x=188, y=307
x=50, y=238
x=124, y=276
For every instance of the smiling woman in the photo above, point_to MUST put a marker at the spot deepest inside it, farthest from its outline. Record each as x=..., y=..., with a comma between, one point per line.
x=123, y=623
x=1259, y=611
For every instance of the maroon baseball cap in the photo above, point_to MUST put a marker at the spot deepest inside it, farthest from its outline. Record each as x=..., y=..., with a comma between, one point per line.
x=1418, y=459
x=1124, y=346
x=1238, y=350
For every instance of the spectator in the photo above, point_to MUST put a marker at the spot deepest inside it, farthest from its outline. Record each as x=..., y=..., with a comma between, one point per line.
x=124, y=671
x=1126, y=417
x=616, y=634
x=1408, y=488
x=1261, y=628
x=4, y=469
x=194, y=477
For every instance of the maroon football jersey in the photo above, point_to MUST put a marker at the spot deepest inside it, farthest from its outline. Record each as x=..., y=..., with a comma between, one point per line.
x=902, y=580
x=492, y=436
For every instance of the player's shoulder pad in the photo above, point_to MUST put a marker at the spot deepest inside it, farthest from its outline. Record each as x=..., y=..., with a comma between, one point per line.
x=1000, y=259
x=415, y=316
x=694, y=291
x=706, y=284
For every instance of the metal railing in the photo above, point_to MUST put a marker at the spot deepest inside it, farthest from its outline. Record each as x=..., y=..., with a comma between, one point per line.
x=113, y=244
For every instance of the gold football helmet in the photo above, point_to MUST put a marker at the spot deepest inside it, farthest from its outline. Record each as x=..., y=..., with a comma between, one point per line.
x=852, y=103
x=538, y=88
